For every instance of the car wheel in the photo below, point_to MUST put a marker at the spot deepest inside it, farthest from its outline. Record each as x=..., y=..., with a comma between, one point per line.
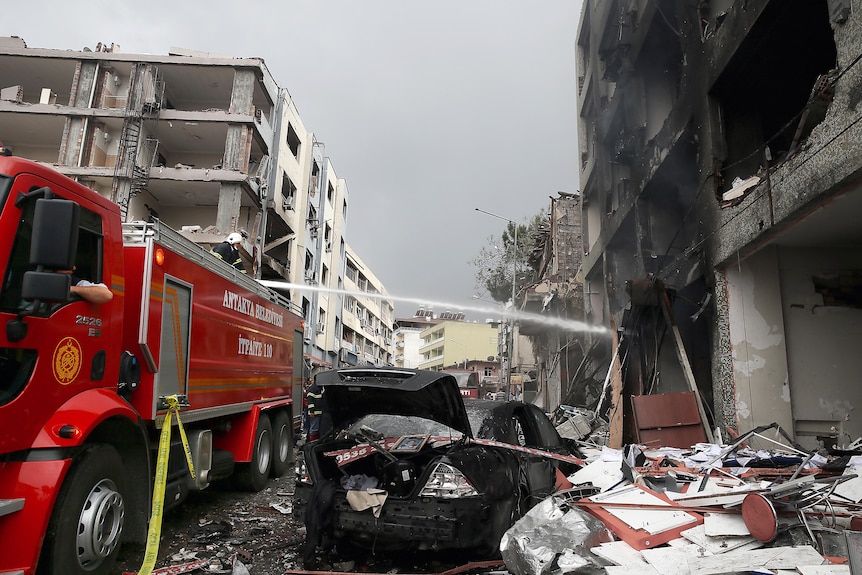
x=282, y=443
x=86, y=526
x=252, y=476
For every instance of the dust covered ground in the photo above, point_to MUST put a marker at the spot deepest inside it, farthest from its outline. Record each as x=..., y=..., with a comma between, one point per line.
x=240, y=532
x=222, y=526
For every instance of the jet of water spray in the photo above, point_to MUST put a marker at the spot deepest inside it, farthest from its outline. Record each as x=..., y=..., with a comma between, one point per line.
x=550, y=321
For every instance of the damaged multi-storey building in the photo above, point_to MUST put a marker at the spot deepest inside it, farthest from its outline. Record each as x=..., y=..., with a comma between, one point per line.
x=720, y=161
x=208, y=144
x=559, y=354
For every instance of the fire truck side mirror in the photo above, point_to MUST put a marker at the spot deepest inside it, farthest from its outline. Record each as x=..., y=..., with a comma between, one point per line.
x=46, y=286
x=52, y=247
x=55, y=234
x=38, y=287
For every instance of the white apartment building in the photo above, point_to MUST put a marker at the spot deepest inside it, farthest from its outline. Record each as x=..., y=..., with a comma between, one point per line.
x=367, y=317
x=407, y=338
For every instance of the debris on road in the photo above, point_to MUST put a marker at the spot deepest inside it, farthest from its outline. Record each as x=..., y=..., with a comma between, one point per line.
x=227, y=532
x=705, y=510
x=549, y=531
x=177, y=569
x=284, y=509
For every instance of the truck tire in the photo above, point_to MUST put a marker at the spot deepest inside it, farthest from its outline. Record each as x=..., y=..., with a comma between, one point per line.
x=282, y=443
x=86, y=526
x=252, y=476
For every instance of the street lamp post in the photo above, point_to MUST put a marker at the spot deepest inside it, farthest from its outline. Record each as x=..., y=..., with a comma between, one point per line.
x=514, y=275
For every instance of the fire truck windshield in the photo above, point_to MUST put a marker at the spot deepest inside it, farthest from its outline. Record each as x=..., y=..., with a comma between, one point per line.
x=5, y=186
x=18, y=257
x=16, y=364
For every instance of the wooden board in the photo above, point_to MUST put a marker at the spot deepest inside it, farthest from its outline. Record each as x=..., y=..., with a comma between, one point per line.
x=668, y=419
x=615, y=417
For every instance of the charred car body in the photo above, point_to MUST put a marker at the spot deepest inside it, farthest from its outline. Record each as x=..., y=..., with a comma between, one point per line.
x=427, y=455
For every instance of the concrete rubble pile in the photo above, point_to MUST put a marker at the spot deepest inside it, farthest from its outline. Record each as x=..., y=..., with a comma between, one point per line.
x=706, y=510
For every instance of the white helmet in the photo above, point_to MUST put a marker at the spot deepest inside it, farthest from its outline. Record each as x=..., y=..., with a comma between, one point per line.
x=234, y=238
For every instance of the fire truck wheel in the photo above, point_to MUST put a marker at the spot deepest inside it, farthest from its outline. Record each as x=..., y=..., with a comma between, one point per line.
x=282, y=443
x=252, y=476
x=86, y=526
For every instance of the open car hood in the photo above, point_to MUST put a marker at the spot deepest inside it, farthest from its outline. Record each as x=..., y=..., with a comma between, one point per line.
x=355, y=392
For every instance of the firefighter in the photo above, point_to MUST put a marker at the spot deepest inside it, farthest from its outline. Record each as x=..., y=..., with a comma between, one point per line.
x=227, y=251
x=319, y=421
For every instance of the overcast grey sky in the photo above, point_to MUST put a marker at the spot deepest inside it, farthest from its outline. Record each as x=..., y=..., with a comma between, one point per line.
x=429, y=109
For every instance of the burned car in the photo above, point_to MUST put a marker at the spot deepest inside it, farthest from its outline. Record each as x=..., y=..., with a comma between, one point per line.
x=409, y=465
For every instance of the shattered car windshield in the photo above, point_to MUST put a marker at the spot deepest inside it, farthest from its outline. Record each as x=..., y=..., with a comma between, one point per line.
x=477, y=416
x=398, y=425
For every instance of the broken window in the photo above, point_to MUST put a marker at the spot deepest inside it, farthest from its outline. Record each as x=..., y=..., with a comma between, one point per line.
x=840, y=289
x=288, y=192
x=293, y=141
x=774, y=91
x=314, y=179
x=309, y=264
x=352, y=272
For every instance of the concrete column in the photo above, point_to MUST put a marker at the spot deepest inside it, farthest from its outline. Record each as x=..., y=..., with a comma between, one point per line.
x=73, y=137
x=229, y=203
x=238, y=139
x=83, y=85
x=242, y=95
x=723, y=389
x=758, y=342
x=237, y=148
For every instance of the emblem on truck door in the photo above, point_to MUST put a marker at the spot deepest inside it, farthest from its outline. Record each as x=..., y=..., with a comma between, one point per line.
x=67, y=360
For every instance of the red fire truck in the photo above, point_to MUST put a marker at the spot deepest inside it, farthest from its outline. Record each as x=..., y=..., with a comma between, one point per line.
x=85, y=388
